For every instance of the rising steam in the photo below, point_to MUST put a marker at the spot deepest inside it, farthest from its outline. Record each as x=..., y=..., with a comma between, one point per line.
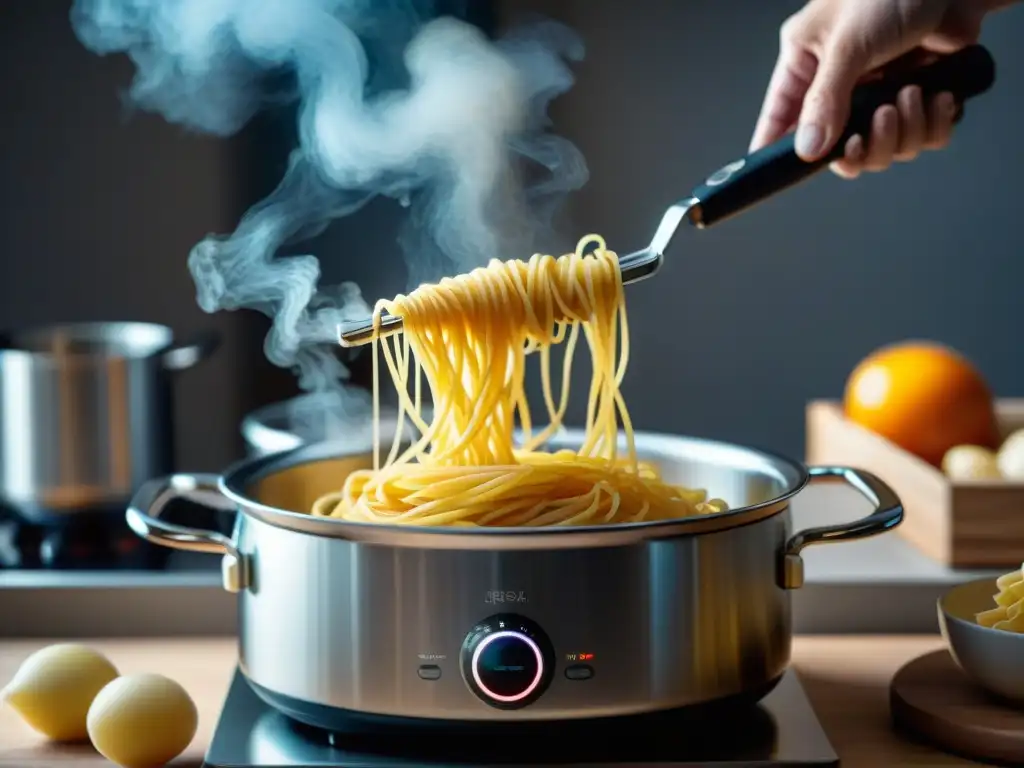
x=391, y=101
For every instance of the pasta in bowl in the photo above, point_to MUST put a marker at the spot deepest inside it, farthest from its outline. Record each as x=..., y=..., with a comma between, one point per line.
x=983, y=639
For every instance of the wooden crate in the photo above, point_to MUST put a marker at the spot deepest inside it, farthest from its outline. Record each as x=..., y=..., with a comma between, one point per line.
x=964, y=524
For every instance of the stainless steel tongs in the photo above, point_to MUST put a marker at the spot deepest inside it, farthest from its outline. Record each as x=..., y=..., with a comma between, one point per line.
x=756, y=177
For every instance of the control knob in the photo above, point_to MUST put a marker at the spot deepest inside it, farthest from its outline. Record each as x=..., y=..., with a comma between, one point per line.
x=507, y=661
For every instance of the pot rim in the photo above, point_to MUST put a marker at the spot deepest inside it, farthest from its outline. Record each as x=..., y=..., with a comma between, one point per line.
x=153, y=338
x=794, y=475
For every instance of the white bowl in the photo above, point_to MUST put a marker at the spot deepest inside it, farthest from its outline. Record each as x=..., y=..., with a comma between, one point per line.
x=993, y=658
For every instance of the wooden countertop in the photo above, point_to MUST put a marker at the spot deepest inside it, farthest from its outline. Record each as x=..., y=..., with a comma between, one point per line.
x=846, y=677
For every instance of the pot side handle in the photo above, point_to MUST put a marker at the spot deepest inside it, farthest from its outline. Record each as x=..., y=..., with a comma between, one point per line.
x=149, y=501
x=888, y=514
x=184, y=355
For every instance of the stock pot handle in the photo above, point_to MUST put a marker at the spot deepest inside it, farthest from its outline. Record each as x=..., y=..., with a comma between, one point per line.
x=184, y=355
x=888, y=514
x=148, y=503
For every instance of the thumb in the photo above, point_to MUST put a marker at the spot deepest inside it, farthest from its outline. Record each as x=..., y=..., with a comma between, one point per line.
x=826, y=107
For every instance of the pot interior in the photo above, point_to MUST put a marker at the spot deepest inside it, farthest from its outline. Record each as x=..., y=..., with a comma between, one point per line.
x=743, y=477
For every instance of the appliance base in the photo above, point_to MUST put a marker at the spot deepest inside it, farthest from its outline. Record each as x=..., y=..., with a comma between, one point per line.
x=349, y=722
x=780, y=731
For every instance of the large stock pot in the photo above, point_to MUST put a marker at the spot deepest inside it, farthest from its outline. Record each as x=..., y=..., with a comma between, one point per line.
x=87, y=413
x=343, y=620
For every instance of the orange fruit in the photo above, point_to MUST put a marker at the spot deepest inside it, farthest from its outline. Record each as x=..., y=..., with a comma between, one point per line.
x=924, y=397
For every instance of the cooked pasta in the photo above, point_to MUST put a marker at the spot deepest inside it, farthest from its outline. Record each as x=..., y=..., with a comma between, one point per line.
x=1008, y=613
x=469, y=337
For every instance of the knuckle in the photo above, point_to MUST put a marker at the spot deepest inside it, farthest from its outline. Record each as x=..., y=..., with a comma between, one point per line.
x=845, y=47
x=822, y=103
x=790, y=30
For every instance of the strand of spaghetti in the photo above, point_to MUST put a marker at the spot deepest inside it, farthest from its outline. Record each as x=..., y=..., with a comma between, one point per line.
x=394, y=365
x=556, y=416
x=400, y=386
x=403, y=386
x=376, y=397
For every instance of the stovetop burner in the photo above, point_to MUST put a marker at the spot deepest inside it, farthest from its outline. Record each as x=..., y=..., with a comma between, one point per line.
x=96, y=538
x=782, y=731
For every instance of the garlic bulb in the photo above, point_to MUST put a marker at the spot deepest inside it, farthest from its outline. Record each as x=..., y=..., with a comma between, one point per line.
x=1011, y=456
x=970, y=462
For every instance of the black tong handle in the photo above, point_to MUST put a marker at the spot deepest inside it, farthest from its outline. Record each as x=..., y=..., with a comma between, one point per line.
x=741, y=184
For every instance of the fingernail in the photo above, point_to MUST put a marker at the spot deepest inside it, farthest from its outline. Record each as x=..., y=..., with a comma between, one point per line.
x=854, y=150
x=809, y=140
x=910, y=96
x=947, y=103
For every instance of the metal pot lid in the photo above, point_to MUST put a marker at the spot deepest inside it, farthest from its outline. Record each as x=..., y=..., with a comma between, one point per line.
x=788, y=475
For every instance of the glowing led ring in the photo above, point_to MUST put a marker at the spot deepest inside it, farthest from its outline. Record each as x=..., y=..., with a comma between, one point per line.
x=474, y=665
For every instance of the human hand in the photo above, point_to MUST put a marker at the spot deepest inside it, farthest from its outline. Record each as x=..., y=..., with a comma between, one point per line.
x=829, y=45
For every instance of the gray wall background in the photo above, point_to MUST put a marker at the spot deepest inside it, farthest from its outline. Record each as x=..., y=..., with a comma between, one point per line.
x=750, y=320
x=98, y=210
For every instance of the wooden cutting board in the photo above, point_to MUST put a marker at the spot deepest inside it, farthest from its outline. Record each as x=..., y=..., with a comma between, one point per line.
x=933, y=699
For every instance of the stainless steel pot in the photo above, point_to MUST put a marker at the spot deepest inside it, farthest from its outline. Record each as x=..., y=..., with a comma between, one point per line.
x=516, y=624
x=86, y=413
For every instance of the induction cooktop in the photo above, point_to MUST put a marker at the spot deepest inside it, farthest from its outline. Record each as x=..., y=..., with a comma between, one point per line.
x=781, y=731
